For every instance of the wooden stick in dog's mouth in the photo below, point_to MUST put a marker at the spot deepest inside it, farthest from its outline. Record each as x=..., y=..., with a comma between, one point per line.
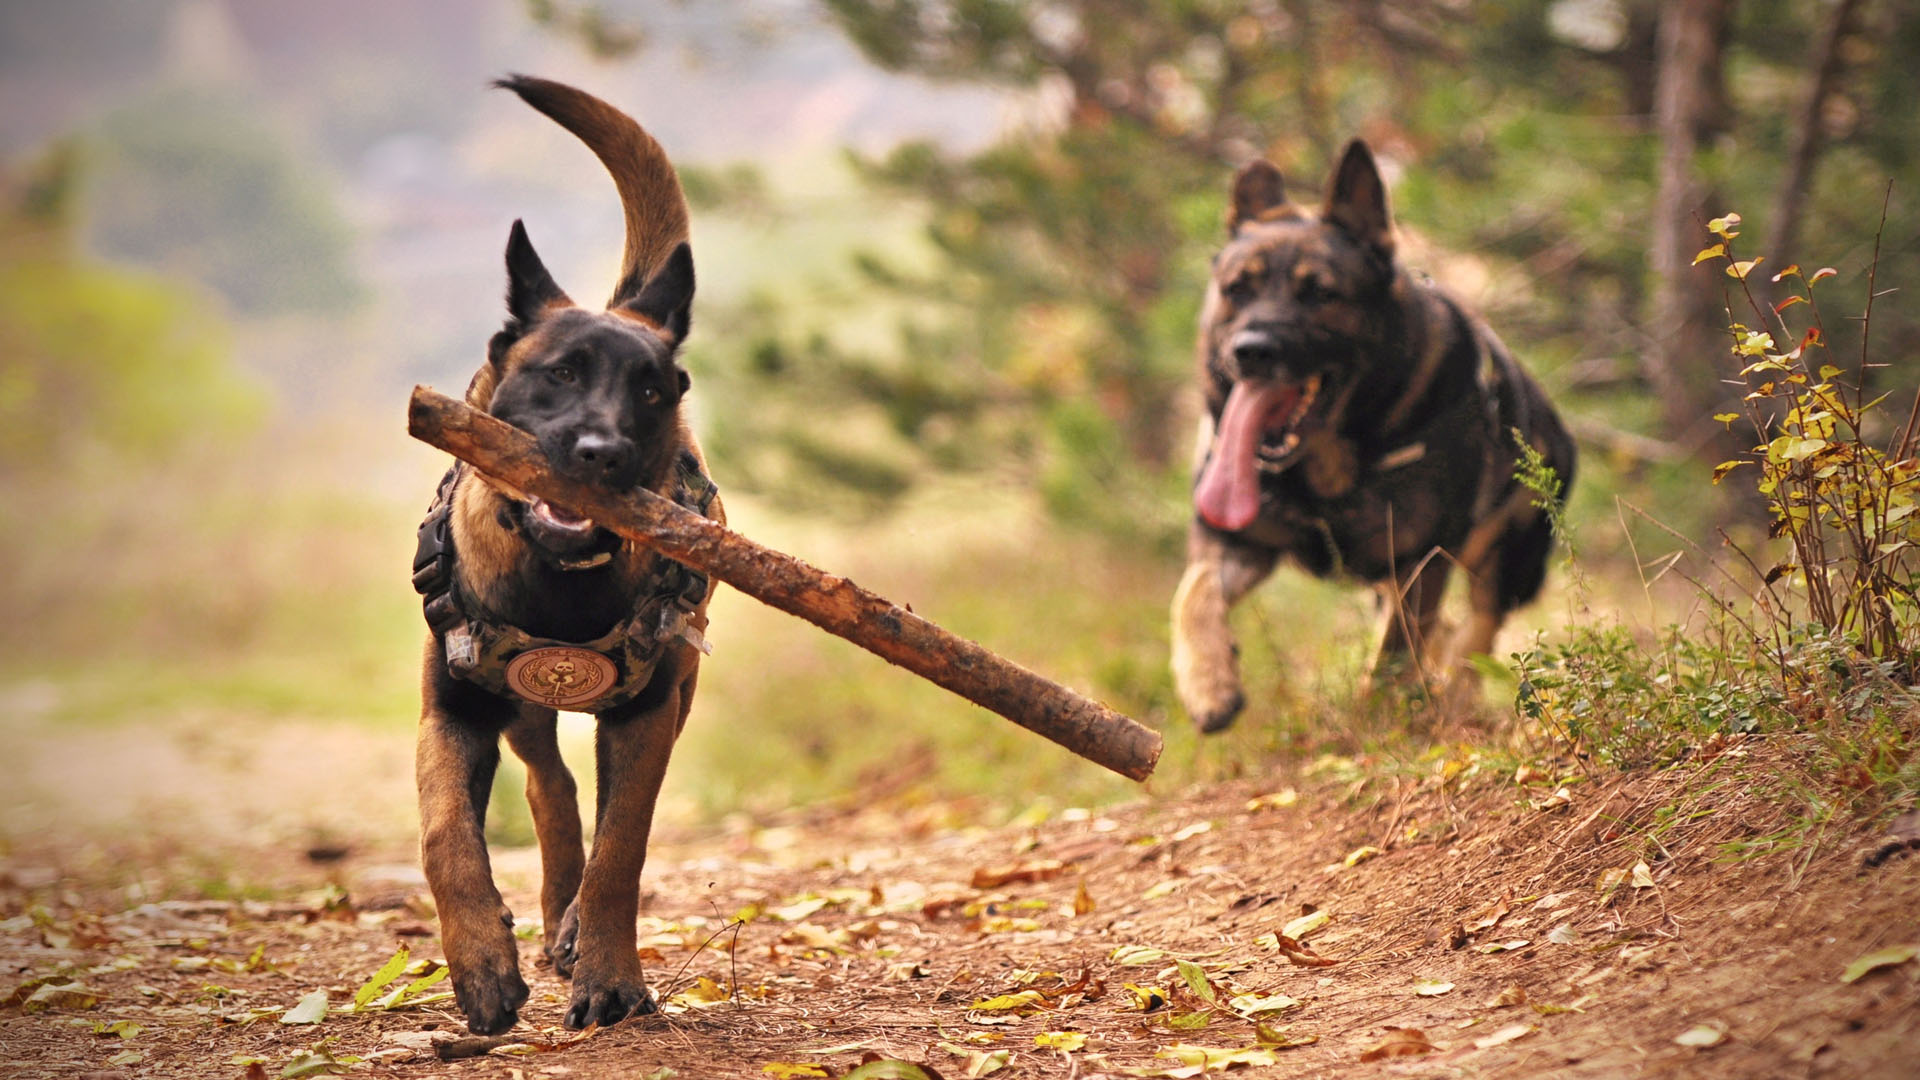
x=512, y=459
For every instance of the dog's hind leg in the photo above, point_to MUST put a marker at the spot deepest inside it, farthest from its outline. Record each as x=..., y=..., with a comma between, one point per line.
x=631, y=749
x=1510, y=575
x=456, y=754
x=552, y=796
x=1206, y=661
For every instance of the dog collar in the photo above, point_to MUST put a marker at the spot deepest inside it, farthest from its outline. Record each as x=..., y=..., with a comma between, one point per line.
x=585, y=676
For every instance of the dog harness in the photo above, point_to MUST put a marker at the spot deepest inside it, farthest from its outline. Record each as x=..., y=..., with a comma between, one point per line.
x=584, y=676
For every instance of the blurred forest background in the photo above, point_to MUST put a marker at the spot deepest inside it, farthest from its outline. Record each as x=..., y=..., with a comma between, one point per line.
x=951, y=254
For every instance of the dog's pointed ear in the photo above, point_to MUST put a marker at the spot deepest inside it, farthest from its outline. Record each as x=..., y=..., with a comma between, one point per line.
x=1358, y=199
x=530, y=289
x=667, y=297
x=1257, y=188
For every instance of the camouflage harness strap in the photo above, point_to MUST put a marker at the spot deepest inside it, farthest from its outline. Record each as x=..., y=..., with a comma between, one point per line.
x=585, y=676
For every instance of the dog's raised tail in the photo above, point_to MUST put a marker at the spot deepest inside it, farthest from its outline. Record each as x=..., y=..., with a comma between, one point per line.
x=656, y=209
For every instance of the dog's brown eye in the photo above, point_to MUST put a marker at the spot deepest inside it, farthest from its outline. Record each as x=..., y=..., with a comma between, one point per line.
x=560, y=373
x=1313, y=291
x=1241, y=289
x=650, y=396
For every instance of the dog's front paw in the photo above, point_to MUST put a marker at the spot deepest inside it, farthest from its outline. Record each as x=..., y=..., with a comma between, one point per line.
x=488, y=987
x=563, y=942
x=1220, y=714
x=608, y=999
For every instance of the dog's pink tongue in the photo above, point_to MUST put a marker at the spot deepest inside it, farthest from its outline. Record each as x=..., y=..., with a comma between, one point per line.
x=1228, y=493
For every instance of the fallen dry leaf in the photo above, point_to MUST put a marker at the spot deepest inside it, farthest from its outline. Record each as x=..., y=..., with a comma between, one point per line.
x=1362, y=854
x=1702, y=1036
x=1609, y=882
x=1431, y=987
x=1278, y=800
x=1025, y=873
x=1504, y=1035
x=1215, y=1057
x=1135, y=955
x=1642, y=875
x=1487, y=917
x=1299, y=954
x=69, y=995
x=1306, y=924
x=1025, y=999
x=1400, y=1042
x=1064, y=1041
x=1514, y=994
x=1560, y=798
x=1890, y=956
x=794, y=1070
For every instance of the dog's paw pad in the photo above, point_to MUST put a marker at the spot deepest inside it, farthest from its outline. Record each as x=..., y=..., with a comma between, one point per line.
x=564, y=950
x=491, y=1002
x=609, y=1005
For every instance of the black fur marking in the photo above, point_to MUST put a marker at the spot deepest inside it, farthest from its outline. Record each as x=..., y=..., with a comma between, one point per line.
x=667, y=297
x=530, y=288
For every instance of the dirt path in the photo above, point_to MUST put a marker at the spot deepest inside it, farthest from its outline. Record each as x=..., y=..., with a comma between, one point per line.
x=1470, y=913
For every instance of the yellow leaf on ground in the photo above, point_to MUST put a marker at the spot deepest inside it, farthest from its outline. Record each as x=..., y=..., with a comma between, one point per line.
x=1214, y=1057
x=1135, y=955
x=1361, y=854
x=1306, y=924
x=1025, y=999
x=1278, y=800
x=1873, y=961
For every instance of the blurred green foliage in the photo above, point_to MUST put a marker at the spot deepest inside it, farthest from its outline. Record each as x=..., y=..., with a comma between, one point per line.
x=170, y=549
x=196, y=184
x=100, y=360
x=1044, y=335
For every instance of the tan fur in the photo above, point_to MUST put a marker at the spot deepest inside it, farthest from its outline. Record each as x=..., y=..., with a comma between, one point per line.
x=588, y=903
x=656, y=209
x=1205, y=660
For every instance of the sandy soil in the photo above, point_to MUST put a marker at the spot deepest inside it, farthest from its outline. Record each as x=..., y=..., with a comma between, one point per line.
x=1521, y=930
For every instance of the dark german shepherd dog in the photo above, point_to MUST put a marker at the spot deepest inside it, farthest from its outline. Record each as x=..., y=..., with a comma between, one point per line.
x=533, y=608
x=1359, y=422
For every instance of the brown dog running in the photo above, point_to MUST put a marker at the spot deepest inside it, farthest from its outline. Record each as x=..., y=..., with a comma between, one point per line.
x=1359, y=422
x=533, y=608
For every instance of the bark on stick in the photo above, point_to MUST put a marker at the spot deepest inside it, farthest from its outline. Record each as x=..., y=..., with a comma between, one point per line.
x=512, y=459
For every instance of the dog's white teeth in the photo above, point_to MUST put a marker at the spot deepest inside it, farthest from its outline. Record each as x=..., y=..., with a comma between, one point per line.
x=545, y=512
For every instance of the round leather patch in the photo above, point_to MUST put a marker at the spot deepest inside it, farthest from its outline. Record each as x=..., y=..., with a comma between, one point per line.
x=560, y=677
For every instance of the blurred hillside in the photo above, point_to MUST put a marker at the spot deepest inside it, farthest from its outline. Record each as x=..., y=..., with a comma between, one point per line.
x=345, y=159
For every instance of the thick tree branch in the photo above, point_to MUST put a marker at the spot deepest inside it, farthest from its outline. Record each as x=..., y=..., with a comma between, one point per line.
x=512, y=458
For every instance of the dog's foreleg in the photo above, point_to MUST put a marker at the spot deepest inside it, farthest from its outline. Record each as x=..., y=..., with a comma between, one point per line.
x=553, y=798
x=1206, y=659
x=455, y=760
x=631, y=761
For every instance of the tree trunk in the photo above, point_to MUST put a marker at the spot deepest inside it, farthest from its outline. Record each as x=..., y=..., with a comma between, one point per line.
x=1687, y=355
x=1808, y=139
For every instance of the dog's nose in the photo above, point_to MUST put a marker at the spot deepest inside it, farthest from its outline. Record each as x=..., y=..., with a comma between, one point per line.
x=602, y=457
x=1255, y=352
